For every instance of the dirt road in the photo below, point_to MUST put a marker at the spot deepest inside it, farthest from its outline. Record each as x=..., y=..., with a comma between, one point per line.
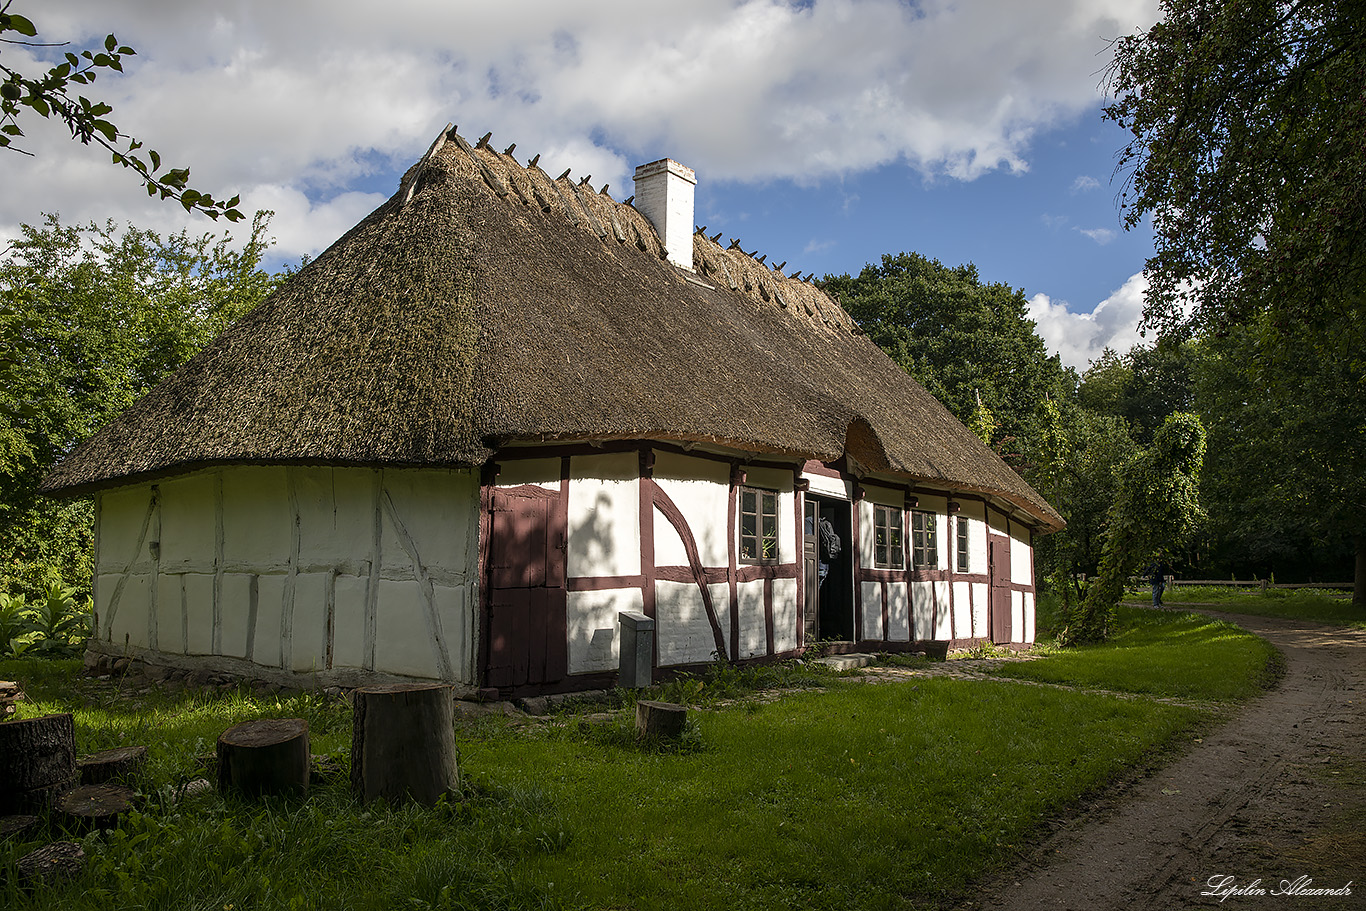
x=1267, y=808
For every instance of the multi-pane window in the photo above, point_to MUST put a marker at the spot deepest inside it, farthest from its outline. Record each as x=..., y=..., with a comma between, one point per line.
x=924, y=544
x=963, y=561
x=888, y=549
x=758, y=525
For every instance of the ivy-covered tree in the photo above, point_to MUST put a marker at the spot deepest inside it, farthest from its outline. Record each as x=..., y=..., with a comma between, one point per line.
x=90, y=318
x=55, y=95
x=1155, y=513
x=971, y=344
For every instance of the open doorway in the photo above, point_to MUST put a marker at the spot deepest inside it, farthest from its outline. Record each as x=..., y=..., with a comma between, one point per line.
x=828, y=575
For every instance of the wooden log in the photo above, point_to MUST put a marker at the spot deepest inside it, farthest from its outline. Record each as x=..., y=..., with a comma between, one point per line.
x=59, y=860
x=94, y=806
x=403, y=743
x=664, y=720
x=37, y=755
x=119, y=764
x=266, y=756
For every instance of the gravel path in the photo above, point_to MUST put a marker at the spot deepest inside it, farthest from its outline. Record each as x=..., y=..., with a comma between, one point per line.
x=1274, y=796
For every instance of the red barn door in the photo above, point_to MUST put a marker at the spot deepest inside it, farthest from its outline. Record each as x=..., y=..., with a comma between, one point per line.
x=527, y=636
x=1000, y=589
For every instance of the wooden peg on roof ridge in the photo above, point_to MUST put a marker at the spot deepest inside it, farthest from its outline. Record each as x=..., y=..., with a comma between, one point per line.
x=603, y=191
x=717, y=237
x=585, y=180
x=630, y=200
x=508, y=150
x=701, y=229
x=532, y=162
x=762, y=258
x=735, y=244
x=779, y=267
x=565, y=174
x=483, y=143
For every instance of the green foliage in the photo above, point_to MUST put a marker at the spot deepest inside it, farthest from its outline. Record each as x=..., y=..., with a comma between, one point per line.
x=56, y=627
x=1247, y=120
x=91, y=318
x=52, y=95
x=972, y=345
x=1155, y=513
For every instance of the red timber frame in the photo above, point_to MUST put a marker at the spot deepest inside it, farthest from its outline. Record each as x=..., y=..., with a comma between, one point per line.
x=653, y=499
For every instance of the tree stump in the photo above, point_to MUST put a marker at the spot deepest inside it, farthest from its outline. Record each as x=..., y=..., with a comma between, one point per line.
x=118, y=764
x=403, y=743
x=9, y=695
x=16, y=825
x=94, y=806
x=38, y=756
x=267, y=756
x=664, y=720
x=59, y=860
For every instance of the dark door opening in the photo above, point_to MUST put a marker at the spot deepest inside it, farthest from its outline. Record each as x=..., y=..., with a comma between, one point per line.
x=829, y=601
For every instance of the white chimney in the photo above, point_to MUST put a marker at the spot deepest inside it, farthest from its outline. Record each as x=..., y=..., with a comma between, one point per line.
x=664, y=194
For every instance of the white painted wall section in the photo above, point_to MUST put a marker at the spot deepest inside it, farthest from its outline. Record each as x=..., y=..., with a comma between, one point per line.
x=784, y=614
x=963, y=624
x=753, y=626
x=700, y=488
x=898, y=612
x=872, y=610
x=604, y=515
x=594, y=628
x=682, y=633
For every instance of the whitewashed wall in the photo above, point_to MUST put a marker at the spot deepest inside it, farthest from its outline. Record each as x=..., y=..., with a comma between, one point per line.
x=274, y=566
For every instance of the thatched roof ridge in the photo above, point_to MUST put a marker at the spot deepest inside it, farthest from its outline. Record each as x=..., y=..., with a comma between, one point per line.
x=488, y=304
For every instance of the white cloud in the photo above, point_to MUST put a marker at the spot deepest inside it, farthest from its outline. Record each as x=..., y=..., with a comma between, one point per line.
x=300, y=100
x=1101, y=236
x=1081, y=337
x=1085, y=183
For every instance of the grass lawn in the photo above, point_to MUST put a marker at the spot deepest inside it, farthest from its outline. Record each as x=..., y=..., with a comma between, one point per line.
x=849, y=796
x=1162, y=653
x=1314, y=605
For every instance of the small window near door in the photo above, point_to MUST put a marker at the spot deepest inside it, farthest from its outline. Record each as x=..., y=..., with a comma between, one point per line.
x=963, y=559
x=888, y=549
x=758, y=525
x=924, y=543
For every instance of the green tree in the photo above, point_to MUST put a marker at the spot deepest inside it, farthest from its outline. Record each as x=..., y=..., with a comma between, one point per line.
x=91, y=318
x=1144, y=386
x=1287, y=465
x=1156, y=511
x=970, y=344
x=54, y=94
x=1247, y=119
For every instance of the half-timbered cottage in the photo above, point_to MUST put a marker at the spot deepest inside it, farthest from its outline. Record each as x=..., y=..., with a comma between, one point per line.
x=505, y=408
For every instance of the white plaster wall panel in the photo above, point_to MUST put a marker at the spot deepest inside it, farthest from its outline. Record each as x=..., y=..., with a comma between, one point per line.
x=541, y=472
x=236, y=608
x=753, y=628
x=198, y=614
x=922, y=611
x=872, y=610
x=270, y=595
x=784, y=614
x=977, y=546
x=943, y=613
x=121, y=516
x=1016, y=616
x=863, y=513
x=700, y=488
x=898, y=612
x=257, y=519
x=1020, y=572
x=126, y=622
x=336, y=515
x=604, y=515
x=682, y=632
x=452, y=609
x=963, y=622
x=187, y=520
x=403, y=644
x=981, y=626
x=170, y=628
x=1029, y=617
x=439, y=512
x=781, y=481
x=348, y=624
x=594, y=630
x=824, y=486
x=308, y=642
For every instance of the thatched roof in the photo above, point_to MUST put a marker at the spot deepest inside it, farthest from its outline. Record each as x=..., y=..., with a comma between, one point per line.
x=487, y=304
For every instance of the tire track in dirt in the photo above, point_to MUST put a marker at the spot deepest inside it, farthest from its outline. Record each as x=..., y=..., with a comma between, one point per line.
x=1272, y=795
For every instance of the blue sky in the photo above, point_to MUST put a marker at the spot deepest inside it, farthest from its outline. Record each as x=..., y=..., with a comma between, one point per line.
x=824, y=132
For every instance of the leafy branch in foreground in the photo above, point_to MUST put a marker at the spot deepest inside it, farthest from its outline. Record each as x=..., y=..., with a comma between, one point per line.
x=51, y=96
